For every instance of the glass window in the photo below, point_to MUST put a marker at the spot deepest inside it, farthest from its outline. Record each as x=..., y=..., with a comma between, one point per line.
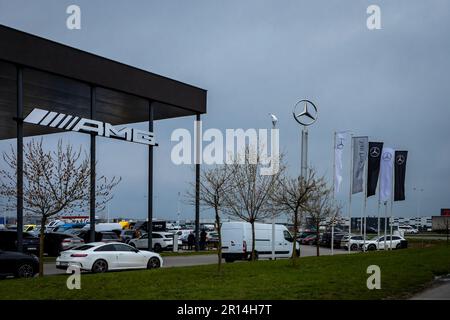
x=156, y=235
x=123, y=248
x=287, y=236
x=108, y=247
x=357, y=238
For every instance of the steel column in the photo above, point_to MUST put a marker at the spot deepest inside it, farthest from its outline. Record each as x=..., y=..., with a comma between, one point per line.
x=93, y=173
x=19, y=120
x=197, y=184
x=150, y=180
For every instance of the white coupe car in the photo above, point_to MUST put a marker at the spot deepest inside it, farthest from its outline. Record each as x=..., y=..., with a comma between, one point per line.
x=101, y=257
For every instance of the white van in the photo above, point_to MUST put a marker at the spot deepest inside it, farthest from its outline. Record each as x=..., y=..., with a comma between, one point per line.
x=237, y=241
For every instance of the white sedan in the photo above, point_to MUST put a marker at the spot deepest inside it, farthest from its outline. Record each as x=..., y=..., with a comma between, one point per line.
x=101, y=257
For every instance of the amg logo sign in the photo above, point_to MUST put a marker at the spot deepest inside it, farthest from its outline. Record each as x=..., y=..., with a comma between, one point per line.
x=67, y=122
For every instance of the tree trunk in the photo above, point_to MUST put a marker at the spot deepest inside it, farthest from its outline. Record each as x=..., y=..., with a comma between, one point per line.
x=219, y=247
x=317, y=239
x=253, y=256
x=294, y=243
x=41, y=246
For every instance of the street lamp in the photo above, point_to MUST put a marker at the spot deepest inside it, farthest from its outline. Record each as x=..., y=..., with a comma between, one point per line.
x=274, y=125
x=418, y=205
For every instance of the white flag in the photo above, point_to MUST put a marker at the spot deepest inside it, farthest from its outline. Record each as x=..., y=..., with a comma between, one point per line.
x=338, y=151
x=360, y=150
x=386, y=168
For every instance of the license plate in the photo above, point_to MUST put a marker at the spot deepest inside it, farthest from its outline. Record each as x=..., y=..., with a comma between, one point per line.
x=32, y=249
x=63, y=263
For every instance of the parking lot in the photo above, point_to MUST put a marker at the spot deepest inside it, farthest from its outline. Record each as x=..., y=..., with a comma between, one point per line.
x=202, y=259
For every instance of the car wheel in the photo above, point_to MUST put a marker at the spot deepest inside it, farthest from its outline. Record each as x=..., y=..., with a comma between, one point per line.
x=153, y=263
x=100, y=266
x=372, y=247
x=398, y=246
x=25, y=270
x=157, y=247
x=228, y=260
x=354, y=247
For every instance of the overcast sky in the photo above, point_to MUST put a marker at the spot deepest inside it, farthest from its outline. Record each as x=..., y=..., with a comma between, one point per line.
x=256, y=57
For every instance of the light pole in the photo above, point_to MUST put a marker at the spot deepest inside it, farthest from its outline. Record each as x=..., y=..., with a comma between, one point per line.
x=418, y=206
x=274, y=125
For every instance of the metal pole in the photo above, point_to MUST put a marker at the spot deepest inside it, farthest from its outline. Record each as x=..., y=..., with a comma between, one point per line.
x=304, y=156
x=273, y=223
x=379, y=210
x=150, y=182
x=19, y=120
x=350, y=193
x=197, y=182
x=93, y=173
x=385, y=223
x=365, y=203
x=332, y=238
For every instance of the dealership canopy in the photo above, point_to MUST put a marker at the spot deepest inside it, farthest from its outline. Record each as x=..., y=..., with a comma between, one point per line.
x=39, y=74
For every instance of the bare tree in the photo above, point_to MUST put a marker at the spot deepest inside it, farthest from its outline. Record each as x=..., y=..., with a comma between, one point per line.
x=214, y=185
x=321, y=206
x=292, y=197
x=250, y=191
x=54, y=181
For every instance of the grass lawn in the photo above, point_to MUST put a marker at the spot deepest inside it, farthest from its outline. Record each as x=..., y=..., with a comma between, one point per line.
x=403, y=272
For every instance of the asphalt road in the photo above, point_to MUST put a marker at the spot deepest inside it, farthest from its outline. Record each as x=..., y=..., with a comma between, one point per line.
x=195, y=260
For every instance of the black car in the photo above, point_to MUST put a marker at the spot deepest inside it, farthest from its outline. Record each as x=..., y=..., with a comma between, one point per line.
x=55, y=242
x=103, y=236
x=337, y=237
x=8, y=241
x=18, y=264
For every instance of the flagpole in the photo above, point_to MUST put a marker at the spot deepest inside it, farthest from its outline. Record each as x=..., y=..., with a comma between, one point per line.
x=365, y=203
x=385, y=223
x=350, y=193
x=379, y=208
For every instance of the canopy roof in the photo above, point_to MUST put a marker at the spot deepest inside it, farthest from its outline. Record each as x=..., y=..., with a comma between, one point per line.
x=59, y=78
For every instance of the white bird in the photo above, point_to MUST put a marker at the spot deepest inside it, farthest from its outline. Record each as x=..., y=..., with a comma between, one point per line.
x=274, y=119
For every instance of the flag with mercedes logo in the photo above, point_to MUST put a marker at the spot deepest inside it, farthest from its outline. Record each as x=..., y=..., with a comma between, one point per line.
x=373, y=167
x=360, y=149
x=386, y=168
x=400, y=173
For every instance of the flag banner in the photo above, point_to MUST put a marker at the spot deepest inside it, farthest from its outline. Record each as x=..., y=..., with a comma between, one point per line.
x=400, y=173
x=360, y=149
x=338, y=167
x=386, y=168
x=373, y=167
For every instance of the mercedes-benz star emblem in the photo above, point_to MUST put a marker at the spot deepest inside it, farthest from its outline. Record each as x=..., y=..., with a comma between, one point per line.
x=340, y=145
x=387, y=156
x=374, y=152
x=400, y=159
x=305, y=112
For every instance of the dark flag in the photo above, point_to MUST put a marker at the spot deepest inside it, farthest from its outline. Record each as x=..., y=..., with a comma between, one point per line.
x=400, y=173
x=373, y=168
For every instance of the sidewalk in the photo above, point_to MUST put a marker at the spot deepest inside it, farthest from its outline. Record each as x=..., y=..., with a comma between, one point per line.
x=439, y=292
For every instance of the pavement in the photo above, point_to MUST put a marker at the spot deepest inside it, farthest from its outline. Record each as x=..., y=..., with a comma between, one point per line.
x=203, y=259
x=439, y=291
